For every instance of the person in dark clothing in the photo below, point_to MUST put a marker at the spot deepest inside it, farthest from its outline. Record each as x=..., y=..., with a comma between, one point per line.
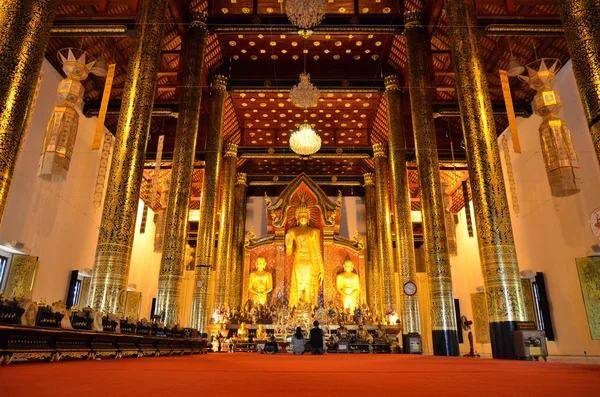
x=316, y=339
x=271, y=346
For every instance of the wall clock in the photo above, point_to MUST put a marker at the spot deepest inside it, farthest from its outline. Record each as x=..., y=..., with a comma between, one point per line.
x=410, y=288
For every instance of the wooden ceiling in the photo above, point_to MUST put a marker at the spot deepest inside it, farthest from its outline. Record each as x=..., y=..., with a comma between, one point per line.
x=348, y=56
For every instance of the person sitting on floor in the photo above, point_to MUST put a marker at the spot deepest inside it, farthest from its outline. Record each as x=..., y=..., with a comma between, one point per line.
x=271, y=346
x=298, y=342
x=316, y=339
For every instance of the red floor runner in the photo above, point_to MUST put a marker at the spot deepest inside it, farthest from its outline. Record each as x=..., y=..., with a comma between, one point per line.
x=247, y=374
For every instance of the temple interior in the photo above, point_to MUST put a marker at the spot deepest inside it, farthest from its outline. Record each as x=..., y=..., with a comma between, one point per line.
x=420, y=177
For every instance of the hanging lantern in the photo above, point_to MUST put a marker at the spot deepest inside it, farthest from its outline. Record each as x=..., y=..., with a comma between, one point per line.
x=61, y=130
x=559, y=154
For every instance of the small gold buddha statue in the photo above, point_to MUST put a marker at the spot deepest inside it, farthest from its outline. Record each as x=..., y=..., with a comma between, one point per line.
x=242, y=334
x=260, y=283
x=261, y=333
x=347, y=284
x=304, y=242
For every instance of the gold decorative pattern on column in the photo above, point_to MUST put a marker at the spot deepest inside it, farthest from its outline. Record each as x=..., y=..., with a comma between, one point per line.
x=117, y=228
x=405, y=245
x=435, y=245
x=222, y=265
x=481, y=324
x=208, y=205
x=173, y=254
x=373, y=274
x=21, y=277
x=580, y=20
x=384, y=229
x=237, y=259
x=492, y=216
x=511, y=175
x=24, y=32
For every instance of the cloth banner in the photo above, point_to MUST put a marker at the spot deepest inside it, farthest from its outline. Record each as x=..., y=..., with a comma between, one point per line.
x=103, y=107
x=510, y=111
x=159, y=149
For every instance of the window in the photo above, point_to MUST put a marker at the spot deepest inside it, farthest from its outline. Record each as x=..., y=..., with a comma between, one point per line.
x=77, y=293
x=3, y=268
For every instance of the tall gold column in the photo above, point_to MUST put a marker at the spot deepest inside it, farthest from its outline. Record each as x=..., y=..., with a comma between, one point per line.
x=405, y=245
x=175, y=240
x=580, y=20
x=373, y=274
x=115, y=240
x=222, y=264
x=237, y=245
x=492, y=216
x=24, y=32
x=384, y=229
x=210, y=194
x=437, y=260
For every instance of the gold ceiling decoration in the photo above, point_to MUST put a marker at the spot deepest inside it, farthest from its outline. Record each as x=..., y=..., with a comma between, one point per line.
x=305, y=13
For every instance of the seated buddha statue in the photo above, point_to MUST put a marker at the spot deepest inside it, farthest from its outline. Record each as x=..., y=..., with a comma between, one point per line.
x=260, y=283
x=261, y=333
x=347, y=284
x=242, y=334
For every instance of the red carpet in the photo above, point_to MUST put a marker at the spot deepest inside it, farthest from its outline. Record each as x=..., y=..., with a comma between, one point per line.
x=247, y=374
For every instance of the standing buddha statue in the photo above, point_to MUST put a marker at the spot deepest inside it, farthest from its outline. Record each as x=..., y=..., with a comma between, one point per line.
x=308, y=270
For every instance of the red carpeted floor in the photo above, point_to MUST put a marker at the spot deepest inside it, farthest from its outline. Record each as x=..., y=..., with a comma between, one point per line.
x=247, y=374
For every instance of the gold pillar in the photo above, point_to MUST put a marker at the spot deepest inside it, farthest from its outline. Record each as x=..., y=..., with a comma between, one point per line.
x=210, y=194
x=492, y=216
x=237, y=246
x=405, y=245
x=580, y=20
x=175, y=240
x=24, y=32
x=222, y=264
x=373, y=275
x=384, y=229
x=117, y=227
x=437, y=260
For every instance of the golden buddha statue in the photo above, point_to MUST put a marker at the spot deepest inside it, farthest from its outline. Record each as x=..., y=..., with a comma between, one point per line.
x=347, y=284
x=242, y=334
x=260, y=282
x=308, y=271
x=261, y=333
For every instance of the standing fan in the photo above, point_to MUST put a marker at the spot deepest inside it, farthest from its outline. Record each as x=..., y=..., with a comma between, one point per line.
x=466, y=325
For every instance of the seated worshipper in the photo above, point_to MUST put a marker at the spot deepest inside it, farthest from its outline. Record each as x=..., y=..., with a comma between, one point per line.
x=271, y=346
x=298, y=342
x=316, y=339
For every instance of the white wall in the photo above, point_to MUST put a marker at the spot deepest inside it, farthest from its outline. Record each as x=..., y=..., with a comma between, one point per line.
x=56, y=221
x=145, y=263
x=549, y=232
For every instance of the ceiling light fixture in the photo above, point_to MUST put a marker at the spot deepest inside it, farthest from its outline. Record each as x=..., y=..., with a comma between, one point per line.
x=305, y=141
x=305, y=13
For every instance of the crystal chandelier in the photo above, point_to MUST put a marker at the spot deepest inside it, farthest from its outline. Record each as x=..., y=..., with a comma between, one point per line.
x=305, y=13
x=305, y=95
x=305, y=141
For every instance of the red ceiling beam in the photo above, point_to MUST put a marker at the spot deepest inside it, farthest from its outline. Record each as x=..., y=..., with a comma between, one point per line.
x=433, y=14
x=177, y=10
